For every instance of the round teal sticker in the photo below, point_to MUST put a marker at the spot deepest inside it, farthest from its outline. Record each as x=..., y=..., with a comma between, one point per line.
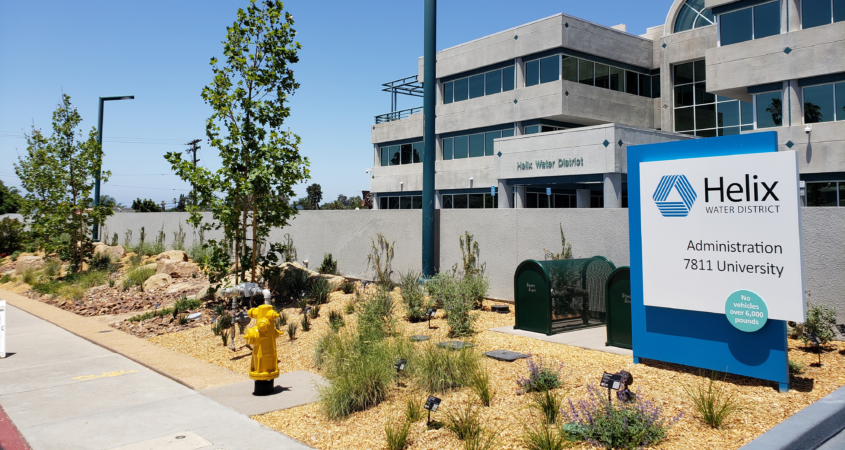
x=746, y=311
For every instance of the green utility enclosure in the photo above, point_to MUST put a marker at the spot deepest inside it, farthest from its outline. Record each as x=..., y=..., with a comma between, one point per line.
x=561, y=295
x=619, y=308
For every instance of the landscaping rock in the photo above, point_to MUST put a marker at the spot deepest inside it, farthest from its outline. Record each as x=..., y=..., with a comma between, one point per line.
x=176, y=268
x=454, y=345
x=501, y=309
x=149, y=266
x=295, y=265
x=157, y=281
x=175, y=255
x=114, y=252
x=335, y=281
x=505, y=355
x=419, y=338
x=25, y=263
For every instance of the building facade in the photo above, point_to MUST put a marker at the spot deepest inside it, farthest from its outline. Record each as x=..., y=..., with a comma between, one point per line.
x=540, y=116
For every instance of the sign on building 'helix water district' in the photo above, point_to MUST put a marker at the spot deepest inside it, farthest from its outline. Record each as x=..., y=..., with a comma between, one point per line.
x=722, y=235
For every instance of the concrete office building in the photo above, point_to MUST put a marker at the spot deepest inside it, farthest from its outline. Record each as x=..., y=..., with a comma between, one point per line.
x=542, y=114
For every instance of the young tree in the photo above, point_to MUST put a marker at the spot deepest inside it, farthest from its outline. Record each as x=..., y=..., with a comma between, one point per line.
x=58, y=176
x=260, y=161
x=10, y=199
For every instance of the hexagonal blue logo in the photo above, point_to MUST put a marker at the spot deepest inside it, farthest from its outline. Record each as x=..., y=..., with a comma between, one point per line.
x=684, y=189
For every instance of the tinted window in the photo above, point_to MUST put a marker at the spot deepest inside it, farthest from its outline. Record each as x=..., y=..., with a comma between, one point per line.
x=686, y=19
x=569, y=68
x=683, y=73
x=394, y=155
x=684, y=119
x=602, y=76
x=728, y=114
x=532, y=73
x=768, y=110
x=617, y=78
x=476, y=86
x=585, y=72
x=488, y=145
x=818, y=104
x=507, y=78
x=766, y=20
x=448, y=92
x=384, y=156
x=532, y=129
x=701, y=94
x=406, y=153
x=489, y=201
x=392, y=202
x=405, y=202
x=706, y=133
x=736, y=27
x=747, y=113
x=417, y=202
x=839, y=16
x=815, y=13
x=459, y=201
x=684, y=95
x=840, y=101
x=507, y=133
x=461, y=146
x=655, y=86
x=476, y=145
x=476, y=201
x=382, y=203
x=549, y=69
x=493, y=82
x=447, y=148
x=461, y=89
x=418, y=151
x=705, y=116
x=447, y=202
x=821, y=194
x=730, y=131
x=631, y=83
x=645, y=86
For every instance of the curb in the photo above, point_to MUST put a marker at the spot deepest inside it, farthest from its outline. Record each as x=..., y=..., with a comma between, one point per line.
x=807, y=429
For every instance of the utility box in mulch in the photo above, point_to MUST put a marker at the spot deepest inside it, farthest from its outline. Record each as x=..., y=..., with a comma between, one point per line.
x=551, y=297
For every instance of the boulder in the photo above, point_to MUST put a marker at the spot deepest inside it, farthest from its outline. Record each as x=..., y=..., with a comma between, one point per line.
x=295, y=265
x=149, y=266
x=175, y=268
x=157, y=281
x=334, y=280
x=25, y=263
x=115, y=253
x=175, y=255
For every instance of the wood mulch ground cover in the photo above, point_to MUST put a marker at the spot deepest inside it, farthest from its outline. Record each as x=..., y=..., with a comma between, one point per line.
x=762, y=406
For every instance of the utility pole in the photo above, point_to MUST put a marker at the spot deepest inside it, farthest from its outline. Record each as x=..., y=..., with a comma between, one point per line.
x=194, y=147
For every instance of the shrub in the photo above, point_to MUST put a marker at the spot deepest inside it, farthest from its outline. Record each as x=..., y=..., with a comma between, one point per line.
x=440, y=287
x=292, y=327
x=465, y=422
x=166, y=312
x=15, y=255
x=179, y=239
x=329, y=265
x=543, y=437
x=72, y=292
x=541, y=377
x=439, y=370
x=30, y=277
x=413, y=296
x=474, y=287
x=11, y=236
x=483, y=440
x=336, y=321
x=6, y=278
x=396, y=431
x=295, y=283
x=616, y=424
x=183, y=319
x=375, y=315
x=224, y=335
x=479, y=381
x=320, y=290
x=137, y=277
x=306, y=323
x=469, y=257
x=324, y=342
x=820, y=320
x=314, y=312
x=547, y=403
x=413, y=408
x=103, y=262
x=459, y=315
x=281, y=321
x=350, y=308
x=794, y=366
x=186, y=304
x=347, y=287
x=53, y=268
x=380, y=260
x=715, y=404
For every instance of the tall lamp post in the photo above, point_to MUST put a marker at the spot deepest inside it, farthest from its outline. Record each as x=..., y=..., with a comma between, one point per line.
x=96, y=233
x=429, y=103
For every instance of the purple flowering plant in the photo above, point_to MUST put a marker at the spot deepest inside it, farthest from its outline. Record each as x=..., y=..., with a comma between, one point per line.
x=541, y=376
x=616, y=424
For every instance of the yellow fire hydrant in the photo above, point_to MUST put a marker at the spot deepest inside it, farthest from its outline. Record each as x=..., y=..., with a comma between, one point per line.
x=265, y=365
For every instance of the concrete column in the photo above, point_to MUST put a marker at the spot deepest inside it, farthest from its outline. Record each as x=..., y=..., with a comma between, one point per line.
x=520, y=73
x=438, y=200
x=520, y=196
x=518, y=129
x=582, y=198
x=375, y=201
x=612, y=190
x=792, y=105
x=503, y=191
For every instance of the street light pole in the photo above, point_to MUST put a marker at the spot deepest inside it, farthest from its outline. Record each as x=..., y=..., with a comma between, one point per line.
x=96, y=233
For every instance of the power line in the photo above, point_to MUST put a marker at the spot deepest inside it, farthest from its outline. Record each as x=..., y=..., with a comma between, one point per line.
x=145, y=187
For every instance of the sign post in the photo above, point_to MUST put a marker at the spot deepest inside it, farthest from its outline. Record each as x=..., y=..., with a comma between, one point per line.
x=2, y=328
x=716, y=261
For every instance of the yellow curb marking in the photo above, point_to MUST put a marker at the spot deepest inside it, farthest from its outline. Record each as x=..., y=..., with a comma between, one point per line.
x=104, y=375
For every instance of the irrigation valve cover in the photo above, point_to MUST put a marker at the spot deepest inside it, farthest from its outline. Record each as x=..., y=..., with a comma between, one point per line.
x=723, y=235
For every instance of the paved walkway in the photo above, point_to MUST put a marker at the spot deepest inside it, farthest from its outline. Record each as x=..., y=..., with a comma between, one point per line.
x=589, y=338
x=64, y=392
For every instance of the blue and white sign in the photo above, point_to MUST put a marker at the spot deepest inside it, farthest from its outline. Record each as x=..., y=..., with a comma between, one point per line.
x=493, y=191
x=548, y=191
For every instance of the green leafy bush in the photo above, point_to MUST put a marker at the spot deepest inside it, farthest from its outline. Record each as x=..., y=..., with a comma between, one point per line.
x=714, y=404
x=794, y=366
x=541, y=376
x=329, y=265
x=820, y=320
x=375, y=315
x=413, y=296
x=11, y=235
x=616, y=424
x=186, y=304
x=6, y=278
x=475, y=287
x=347, y=287
x=102, y=262
x=320, y=290
x=53, y=267
x=158, y=313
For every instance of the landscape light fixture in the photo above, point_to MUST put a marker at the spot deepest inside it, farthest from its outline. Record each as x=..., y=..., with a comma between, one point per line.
x=430, y=314
x=431, y=405
x=96, y=231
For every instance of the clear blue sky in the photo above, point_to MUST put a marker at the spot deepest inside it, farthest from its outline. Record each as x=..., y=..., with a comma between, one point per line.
x=159, y=51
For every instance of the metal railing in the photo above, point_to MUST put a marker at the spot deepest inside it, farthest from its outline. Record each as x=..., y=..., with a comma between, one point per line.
x=397, y=115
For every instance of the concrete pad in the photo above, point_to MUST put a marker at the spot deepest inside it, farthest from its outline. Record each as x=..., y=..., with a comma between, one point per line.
x=291, y=389
x=62, y=373
x=185, y=440
x=589, y=338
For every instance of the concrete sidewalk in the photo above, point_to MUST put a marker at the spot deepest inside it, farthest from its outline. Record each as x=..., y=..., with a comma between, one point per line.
x=64, y=392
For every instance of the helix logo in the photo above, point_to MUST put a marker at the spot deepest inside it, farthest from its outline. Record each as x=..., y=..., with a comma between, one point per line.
x=684, y=189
